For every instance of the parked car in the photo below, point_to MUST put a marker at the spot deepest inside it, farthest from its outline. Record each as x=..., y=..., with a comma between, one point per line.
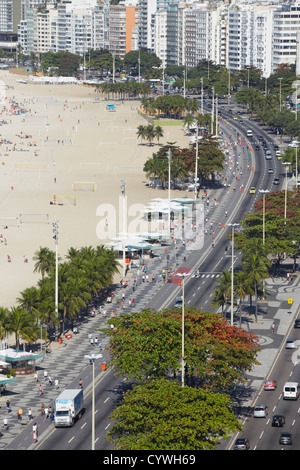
x=297, y=323
x=285, y=438
x=278, y=421
x=178, y=302
x=242, y=443
x=260, y=411
x=270, y=385
x=290, y=344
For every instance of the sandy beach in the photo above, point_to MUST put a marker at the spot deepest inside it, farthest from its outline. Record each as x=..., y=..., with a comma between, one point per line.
x=65, y=137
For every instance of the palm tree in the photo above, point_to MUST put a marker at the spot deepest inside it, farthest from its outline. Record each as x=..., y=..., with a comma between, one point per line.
x=45, y=261
x=256, y=267
x=158, y=131
x=141, y=132
x=188, y=120
x=23, y=325
x=242, y=287
x=222, y=291
x=3, y=320
x=150, y=133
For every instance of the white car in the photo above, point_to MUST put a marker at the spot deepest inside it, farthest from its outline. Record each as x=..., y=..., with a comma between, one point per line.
x=290, y=344
x=260, y=411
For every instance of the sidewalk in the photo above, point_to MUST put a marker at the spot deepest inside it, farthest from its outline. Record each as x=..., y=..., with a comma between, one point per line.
x=66, y=361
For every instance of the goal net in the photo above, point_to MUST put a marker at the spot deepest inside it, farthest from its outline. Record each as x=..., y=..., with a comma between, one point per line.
x=64, y=200
x=84, y=186
x=9, y=221
x=34, y=218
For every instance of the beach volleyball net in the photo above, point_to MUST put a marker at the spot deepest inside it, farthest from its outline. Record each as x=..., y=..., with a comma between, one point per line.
x=9, y=221
x=64, y=200
x=34, y=218
x=84, y=186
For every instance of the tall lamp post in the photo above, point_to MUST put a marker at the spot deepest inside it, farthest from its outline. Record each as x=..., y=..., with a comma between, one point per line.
x=169, y=155
x=264, y=192
x=280, y=79
x=123, y=192
x=56, y=232
x=232, y=274
x=183, y=275
x=92, y=358
x=286, y=164
x=196, y=164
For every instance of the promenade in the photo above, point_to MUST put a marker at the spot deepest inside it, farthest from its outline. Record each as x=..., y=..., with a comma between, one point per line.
x=66, y=361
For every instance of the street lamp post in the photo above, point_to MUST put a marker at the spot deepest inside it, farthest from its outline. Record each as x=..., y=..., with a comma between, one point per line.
x=169, y=155
x=264, y=192
x=286, y=164
x=92, y=358
x=232, y=274
x=123, y=192
x=183, y=275
x=280, y=79
x=196, y=164
x=56, y=232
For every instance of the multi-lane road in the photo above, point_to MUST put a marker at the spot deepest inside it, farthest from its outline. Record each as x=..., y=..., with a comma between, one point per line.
x=209, y=261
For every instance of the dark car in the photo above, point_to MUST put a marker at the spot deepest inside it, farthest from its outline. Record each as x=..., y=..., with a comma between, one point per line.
x=257, y=147
x=285, y=438
x=297, y=323
x=278, y=421
x=242, y=443
x=276, y=181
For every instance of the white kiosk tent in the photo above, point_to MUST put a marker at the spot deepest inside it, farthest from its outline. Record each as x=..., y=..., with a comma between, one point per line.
x=21, y=361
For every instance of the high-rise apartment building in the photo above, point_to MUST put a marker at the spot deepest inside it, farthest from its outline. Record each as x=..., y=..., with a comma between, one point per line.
x=123, y=24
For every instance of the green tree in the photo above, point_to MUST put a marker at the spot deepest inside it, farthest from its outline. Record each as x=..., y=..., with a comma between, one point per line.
x=256, y=268
x=149, y=344
x=69, y=64
x=23, y=325
x=222, y=291
x=45, y=260
x=162, y=415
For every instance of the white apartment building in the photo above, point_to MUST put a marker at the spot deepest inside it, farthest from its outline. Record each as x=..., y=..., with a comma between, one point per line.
x=286, y=24
x=62, y=27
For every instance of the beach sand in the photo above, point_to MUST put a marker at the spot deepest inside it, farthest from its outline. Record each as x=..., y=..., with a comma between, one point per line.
x=70, y=138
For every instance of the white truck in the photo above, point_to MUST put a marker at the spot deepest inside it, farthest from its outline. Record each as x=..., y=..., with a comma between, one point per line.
x=68, y=407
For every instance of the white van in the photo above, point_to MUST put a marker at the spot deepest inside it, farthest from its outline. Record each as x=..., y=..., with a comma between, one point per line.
x=290, y=391
x=249, y=134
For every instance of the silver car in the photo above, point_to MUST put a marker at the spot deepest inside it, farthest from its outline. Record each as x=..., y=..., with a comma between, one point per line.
x=260, y=411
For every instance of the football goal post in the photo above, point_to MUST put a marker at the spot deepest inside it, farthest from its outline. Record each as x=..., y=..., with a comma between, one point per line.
x=84, y=186
x=64, y=200
x=34, y=218
x=9, y=221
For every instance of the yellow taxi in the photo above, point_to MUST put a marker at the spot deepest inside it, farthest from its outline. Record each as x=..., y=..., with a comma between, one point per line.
x=252, y=190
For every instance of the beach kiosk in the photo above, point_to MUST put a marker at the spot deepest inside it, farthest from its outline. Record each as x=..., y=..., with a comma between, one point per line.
x=110, y=107
x=21, y=362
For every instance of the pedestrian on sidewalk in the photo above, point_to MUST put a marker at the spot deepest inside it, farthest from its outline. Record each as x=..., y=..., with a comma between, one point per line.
x=35, y=428
x=273, y=327
x=56, y=383
x=30, y=414
x=40, y=390
x=5, y=424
